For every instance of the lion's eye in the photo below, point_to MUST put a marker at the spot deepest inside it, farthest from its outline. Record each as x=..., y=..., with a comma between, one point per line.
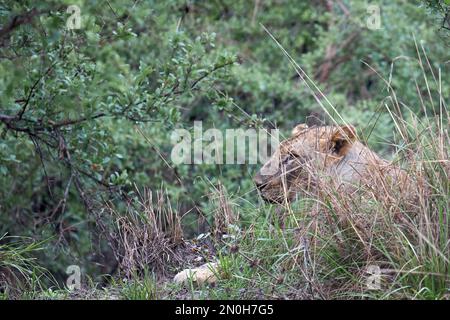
x=289, y=157
x=286, y=159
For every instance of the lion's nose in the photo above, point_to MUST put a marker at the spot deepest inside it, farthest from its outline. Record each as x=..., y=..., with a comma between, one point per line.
x=259, y=185
x=259, y=181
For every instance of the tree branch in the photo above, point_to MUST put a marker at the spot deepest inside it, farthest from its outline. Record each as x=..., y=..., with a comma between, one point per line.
x=18, y=21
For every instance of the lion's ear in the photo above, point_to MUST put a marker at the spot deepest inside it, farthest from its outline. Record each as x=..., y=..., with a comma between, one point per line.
x=299, y=128
x=342, y=139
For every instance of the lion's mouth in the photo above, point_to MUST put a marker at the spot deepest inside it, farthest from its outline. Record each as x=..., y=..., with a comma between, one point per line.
x=274, y=190
x=268, y=197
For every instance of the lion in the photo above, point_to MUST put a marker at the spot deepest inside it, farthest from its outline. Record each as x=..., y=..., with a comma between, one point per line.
x=312, y=159
x=318, y=155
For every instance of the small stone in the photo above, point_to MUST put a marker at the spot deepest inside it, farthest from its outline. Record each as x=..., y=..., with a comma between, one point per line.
x=203, y=274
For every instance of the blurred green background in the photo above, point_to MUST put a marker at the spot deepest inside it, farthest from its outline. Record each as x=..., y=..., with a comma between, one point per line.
x=87, y=114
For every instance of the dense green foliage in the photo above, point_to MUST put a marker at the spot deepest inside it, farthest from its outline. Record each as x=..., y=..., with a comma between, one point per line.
x=86, y=115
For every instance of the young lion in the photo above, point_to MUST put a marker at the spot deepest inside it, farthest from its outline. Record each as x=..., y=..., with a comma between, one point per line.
x=324, y=155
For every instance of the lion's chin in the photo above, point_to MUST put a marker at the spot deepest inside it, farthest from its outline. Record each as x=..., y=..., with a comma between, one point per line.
x=273, y=198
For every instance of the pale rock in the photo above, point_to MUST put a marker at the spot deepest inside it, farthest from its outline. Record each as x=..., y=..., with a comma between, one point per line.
x=206, y=273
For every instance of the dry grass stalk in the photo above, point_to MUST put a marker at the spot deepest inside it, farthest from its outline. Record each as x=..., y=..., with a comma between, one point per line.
x=149, y=234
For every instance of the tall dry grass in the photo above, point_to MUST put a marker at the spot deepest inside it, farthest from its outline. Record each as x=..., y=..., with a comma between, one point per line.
x=147, y=234
x=398, y=227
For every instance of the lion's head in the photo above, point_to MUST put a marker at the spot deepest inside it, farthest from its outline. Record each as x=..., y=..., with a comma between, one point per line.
x=309, y=154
